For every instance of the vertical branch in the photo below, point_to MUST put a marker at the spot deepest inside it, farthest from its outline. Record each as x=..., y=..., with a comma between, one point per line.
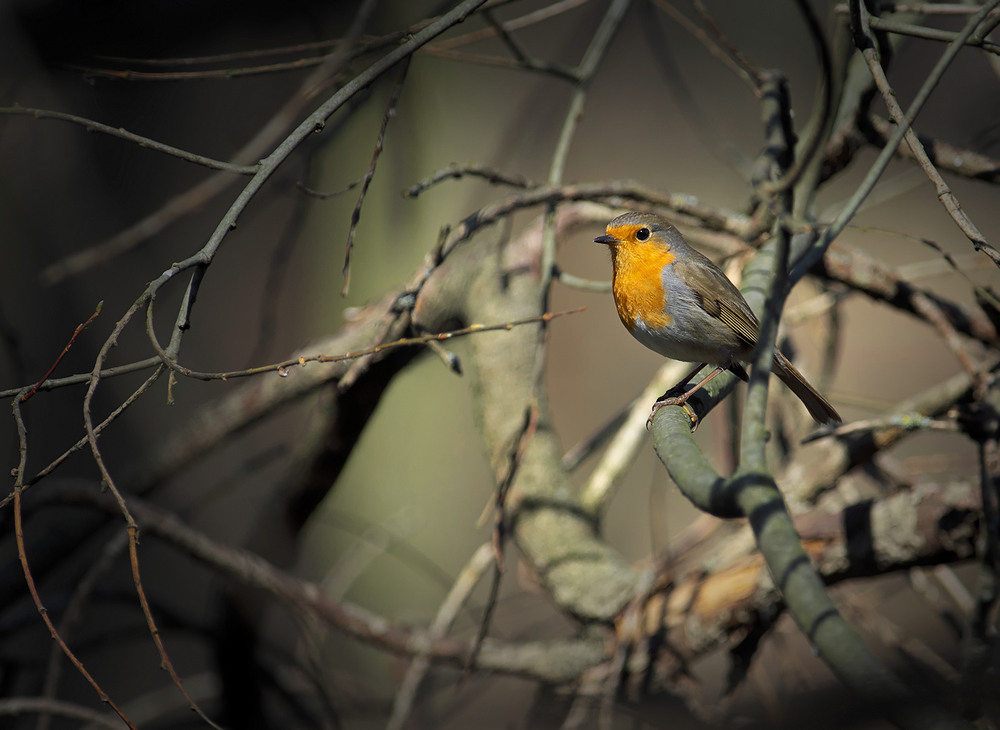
x=978, y=647
x=772, y=165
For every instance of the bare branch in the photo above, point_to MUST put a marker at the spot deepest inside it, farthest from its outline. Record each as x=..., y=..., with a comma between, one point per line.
x=92, y=126
x=944, y=193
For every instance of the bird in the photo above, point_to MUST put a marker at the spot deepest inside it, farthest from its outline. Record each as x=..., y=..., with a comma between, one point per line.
x=678, y=303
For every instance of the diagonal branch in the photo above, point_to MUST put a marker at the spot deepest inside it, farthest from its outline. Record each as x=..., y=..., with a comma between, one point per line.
x=944, y=194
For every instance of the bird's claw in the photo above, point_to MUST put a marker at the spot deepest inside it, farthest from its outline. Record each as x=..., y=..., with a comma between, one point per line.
x=665, y=400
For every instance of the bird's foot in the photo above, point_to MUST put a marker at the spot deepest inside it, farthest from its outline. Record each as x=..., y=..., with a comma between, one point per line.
x=674, y=400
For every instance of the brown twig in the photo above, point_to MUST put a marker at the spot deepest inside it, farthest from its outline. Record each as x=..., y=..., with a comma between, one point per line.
x=154, y=632
x=29, y=579
x=911, y=421
x=130, y=523
x=79, y=328
x=59, y=460
x=715, y=42
x=83, y=589
x=730, y=51
x=613, y=193
x=892, y=25
x=551, y=661
x=456, y=171
x=916, y=8
x=284, y=368
x=222, y=74
x=934, y=314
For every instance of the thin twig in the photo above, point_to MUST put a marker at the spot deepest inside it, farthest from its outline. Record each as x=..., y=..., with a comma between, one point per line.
x=29, y=580
x=80, y=444
x=514, y=456
x=892, y=25
x=43, y=706
x=450, y=607
x=221, y=74
x=909, y=421
x=933, y=314
x=283, y=368
x=457, y=171
x=821, y=120
x=716, y=45
x=810, y=257
x=944, y=192
x=91, y=126
x=79, y=328
x=81, y=592
x=390, y=111
x=916, y=8
x=195, y=197
x=686, y=103
x=960, y=161
x=540, y=661
x=730, y=50
x=221, y=58
x=537, y=16
x=131, y=526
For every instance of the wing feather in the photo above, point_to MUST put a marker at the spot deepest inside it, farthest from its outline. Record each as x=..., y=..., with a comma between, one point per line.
x=735, y=313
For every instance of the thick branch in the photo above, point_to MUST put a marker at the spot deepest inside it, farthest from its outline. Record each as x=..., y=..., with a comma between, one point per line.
x=482, y=283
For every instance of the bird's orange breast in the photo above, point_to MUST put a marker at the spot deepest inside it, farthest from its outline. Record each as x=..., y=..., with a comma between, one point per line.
x=638, y=284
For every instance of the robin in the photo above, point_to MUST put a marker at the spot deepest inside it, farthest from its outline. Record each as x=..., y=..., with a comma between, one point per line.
x=678, y=303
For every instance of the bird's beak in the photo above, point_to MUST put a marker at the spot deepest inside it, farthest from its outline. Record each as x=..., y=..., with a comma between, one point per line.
x=606, y=239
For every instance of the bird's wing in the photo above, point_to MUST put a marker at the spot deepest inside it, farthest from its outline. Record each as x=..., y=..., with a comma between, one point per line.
x=703, y=276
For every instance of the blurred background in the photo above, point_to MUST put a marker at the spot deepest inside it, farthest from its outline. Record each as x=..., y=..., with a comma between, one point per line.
x=402, y=521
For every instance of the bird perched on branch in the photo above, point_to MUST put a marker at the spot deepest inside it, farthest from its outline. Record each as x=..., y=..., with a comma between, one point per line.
x=678, y=303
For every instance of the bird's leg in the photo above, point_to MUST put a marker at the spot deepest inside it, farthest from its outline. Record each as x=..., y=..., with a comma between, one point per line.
x=670, y=399
x=679, y=389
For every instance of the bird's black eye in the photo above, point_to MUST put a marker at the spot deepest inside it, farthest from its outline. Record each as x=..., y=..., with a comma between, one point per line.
x=642, y=234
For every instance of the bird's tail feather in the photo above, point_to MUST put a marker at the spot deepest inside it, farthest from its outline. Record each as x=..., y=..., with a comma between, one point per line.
x=819, y=407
